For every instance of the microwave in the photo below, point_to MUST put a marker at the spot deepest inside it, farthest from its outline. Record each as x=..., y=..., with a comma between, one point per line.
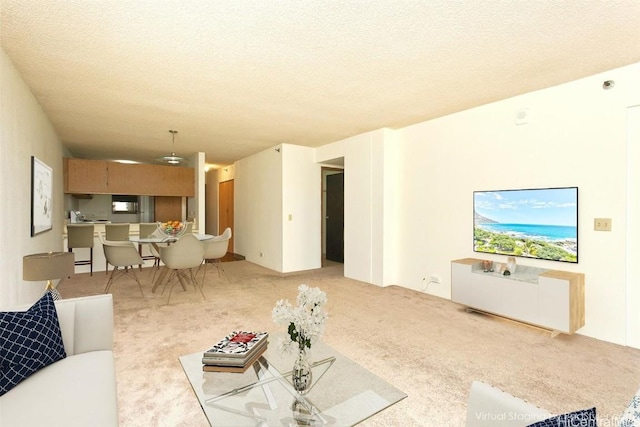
x=124, y=204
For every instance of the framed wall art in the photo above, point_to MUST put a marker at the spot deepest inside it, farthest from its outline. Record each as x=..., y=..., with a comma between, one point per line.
x=41, y=196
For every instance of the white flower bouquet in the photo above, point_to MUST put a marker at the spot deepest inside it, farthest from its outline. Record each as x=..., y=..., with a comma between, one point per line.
x=305, y=321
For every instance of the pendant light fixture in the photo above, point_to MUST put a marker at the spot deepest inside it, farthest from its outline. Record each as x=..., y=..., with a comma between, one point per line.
x=172, y=159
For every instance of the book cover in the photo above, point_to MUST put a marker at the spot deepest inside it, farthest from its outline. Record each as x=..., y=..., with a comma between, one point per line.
x=234, y=361
x=236, y=344
x=234, y=369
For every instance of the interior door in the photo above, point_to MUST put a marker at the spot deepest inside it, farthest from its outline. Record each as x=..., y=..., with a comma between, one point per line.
x=335, y=217
x=167, y=208
x=225, y=214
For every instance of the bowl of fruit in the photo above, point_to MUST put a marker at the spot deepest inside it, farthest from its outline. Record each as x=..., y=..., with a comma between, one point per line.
x=172, y=229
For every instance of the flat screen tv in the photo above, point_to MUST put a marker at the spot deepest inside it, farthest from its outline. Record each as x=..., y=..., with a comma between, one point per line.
x=537, y=223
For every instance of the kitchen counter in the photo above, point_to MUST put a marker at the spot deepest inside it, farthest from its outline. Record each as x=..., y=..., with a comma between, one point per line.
x=98, y=227
x=134, y=227
x=99, y=262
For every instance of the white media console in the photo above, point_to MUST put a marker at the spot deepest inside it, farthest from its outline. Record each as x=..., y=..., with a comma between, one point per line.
x=550, y=299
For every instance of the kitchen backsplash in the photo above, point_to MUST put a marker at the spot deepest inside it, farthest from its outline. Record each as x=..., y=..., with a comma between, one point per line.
x=99, y=208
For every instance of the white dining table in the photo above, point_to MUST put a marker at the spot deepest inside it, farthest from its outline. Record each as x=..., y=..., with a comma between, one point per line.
x=138, y=239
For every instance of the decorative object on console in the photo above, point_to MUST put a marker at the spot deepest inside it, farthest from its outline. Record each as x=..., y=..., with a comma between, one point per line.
x=305, y=326
x=487, y=266
x=534, y=223
x=511, y=264
x=48, y=266
x=29, y=341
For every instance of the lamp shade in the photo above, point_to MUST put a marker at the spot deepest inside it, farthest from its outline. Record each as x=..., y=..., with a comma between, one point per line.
x=47, y=266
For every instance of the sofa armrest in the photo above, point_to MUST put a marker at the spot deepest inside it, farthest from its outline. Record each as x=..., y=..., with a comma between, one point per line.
x=86, y=323
x=488, y=406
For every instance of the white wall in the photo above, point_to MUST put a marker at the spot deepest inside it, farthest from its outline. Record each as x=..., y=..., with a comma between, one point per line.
x=370, y=206
x=576, y=136
x=269, y=186
x=358, y=206
x=633, y=226
x=196, y=205
x=258, y=208
x=301, y=202
x=25, y=131
x=388, y=179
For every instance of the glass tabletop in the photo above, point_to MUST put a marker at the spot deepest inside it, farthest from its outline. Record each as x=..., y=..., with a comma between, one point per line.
x=342, y=392
x=138, y=239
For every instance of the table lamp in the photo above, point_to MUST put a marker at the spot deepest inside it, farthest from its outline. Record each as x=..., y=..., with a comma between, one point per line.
x=48, y=266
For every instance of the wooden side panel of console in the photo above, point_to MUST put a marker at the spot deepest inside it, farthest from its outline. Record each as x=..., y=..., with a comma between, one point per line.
x=566, y=288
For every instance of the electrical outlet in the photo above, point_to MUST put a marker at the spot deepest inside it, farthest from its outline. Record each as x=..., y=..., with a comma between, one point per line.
x=602, y=224
x=432, y=278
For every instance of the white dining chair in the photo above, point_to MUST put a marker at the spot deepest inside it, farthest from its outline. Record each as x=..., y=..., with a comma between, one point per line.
x=116, y=232
x=123, y=256
x=181, y=258
x=147, y=229
x=81, y=236
x=214, y=250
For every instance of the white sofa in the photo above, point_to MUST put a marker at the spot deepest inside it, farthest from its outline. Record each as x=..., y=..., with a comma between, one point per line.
x=79, y=390
x=488, y=406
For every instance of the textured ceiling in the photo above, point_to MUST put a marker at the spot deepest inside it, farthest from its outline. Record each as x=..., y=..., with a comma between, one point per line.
x=237, y=77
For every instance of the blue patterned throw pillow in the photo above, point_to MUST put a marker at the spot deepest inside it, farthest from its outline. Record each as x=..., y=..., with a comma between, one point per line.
x=29, y=341
x=584, y=418
x=631, y=416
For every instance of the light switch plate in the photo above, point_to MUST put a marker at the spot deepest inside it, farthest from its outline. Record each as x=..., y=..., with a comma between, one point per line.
x=602, y=224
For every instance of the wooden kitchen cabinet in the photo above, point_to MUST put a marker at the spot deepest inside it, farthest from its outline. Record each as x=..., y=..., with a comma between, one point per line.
x=82, y=176
x=156, y=180
x=101, y=177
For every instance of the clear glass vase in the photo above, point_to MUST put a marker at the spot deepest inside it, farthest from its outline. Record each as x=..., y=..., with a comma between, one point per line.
x=301, y=374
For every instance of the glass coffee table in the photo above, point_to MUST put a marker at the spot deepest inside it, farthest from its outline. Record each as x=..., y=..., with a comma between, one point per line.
x=342, y=393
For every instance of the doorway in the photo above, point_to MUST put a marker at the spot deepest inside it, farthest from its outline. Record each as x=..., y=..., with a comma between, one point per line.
x=334, y=215
x=225, y=209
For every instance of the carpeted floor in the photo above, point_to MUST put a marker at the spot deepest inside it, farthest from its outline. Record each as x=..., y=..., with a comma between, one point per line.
x=428, y=347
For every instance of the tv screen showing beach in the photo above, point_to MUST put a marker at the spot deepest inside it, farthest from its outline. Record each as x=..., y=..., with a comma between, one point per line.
x=536, y=223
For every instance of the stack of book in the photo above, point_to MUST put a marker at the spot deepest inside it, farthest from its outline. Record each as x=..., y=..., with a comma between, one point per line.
x=235, y=352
